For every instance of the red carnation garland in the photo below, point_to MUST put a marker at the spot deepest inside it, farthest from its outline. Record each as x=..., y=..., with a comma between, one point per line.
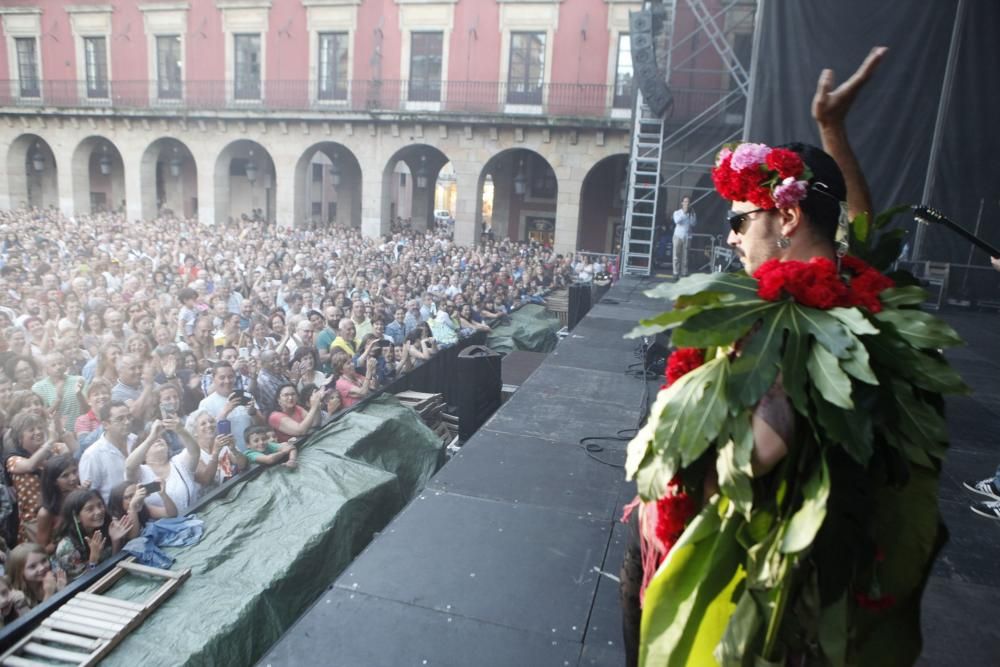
x=682, y=361
x=768, y=177
x=818, y=284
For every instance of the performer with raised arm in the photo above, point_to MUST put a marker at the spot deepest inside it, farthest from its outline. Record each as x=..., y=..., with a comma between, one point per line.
x=788, y=472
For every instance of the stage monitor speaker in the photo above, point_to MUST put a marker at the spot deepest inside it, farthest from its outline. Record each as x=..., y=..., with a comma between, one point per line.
x=479, y=384
x=652, y=81
x=579, y=304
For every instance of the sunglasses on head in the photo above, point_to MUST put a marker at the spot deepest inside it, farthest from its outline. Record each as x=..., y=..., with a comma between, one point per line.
x=736, y=220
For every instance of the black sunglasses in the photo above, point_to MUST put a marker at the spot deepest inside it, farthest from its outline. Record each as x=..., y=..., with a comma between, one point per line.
x=736, y=220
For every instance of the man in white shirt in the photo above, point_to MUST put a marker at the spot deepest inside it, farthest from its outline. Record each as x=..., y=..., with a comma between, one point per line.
x=103, y=463
x=684, y=220
x=219, y=405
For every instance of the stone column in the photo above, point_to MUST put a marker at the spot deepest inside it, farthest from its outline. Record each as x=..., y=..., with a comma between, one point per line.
x=467, y=202
x=570, y=181
x=206, y=188
x=284, y=184
x=422, y=204
x=132, y=180
x=68, y=178
x=375, y=192
x=503, y=190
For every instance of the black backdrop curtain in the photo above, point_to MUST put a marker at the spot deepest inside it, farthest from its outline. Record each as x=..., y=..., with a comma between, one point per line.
x=892, y=125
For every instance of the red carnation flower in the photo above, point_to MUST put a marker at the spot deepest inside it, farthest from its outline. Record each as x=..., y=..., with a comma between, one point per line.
x=785, y=162
x=672, y=514
x=682, y=361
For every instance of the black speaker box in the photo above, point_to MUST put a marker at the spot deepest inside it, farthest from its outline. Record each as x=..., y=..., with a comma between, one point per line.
x=652, y=81
x=579, y=304
x=479, y=388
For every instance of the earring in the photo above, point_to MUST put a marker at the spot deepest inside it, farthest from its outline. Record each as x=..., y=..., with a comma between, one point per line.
x=784, y=242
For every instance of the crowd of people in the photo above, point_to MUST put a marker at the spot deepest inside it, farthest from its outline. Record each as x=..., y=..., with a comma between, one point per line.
x=145, y=362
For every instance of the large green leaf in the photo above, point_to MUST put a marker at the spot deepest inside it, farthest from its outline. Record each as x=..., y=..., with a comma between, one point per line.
x=732, y=464
x=911, y=295
x=854, y=320
x=832, y=383
x=857, y=365
x=694, y=410
x=721, y=326
x=927, y=370
x=793, y=367
x=684, y=419
x=640, y=445
x=690, y=599
x=738, y=284
x=661, y=322
x=834, y=631
x=738, y=643
x=807, y=521
x=851, y=429
x=885, y=217
x=756, y=368
x=825, y=328
x=860, y=227
x=919, y=424
x=921, y=330
x=655, y=472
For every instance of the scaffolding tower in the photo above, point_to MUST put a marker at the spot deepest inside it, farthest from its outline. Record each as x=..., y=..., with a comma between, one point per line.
x=708, y=48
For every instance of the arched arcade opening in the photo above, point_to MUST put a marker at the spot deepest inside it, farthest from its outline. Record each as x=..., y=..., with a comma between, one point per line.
x=328, y=186
x=602, y=205
x=32, y=173
x=518, y=193
x=98, y=176
x=409, y=185
x=169, y=180
x=245, y=182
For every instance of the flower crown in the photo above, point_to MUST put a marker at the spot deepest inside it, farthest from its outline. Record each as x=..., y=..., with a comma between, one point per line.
x=768, y=177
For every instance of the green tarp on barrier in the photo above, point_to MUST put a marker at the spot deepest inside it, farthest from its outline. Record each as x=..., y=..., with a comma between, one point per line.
x=272, y=544
x=531, y=328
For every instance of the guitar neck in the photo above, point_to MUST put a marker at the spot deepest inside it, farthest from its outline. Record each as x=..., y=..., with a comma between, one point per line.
x=925, y=214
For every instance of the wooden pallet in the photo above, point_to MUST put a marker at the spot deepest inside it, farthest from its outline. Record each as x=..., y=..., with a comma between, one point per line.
x=86, y=628
x=431, y=408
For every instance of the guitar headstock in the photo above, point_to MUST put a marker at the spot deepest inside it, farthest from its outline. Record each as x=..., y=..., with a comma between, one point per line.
x=928, y=214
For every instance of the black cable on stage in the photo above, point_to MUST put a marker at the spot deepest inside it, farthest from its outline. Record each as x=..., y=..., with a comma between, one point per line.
x=589, y=443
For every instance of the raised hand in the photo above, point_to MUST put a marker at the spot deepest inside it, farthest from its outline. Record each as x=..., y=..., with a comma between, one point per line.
x=96, y=543
x=830, y=107
x=138, y=498
x=120, y=528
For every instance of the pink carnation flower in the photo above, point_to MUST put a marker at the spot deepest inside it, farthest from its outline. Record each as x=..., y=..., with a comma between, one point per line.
x=723, y=154
x=790, y=192
x=749, y=155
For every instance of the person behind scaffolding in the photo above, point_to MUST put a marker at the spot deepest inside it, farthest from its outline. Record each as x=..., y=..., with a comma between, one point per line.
x=684, y=220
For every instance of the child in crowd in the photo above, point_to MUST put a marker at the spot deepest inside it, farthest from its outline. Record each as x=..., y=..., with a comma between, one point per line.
x=263, y=448
x=12, y=603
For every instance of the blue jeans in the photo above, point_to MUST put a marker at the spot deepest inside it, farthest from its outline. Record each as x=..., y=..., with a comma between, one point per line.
x=996, y=478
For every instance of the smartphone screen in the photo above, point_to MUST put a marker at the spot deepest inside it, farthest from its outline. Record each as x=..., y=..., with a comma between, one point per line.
x=223, y=427
x=151, y=488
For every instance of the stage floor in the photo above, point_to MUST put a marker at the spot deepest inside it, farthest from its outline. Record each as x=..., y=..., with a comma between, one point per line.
x=511, y=554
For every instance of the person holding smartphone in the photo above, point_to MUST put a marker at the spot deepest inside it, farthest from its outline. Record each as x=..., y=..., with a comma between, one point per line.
x=218, y=458
x=165, y=483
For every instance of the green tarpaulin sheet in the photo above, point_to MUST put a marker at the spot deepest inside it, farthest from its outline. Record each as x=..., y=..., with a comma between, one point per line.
x=531, y=328
x=272, y=544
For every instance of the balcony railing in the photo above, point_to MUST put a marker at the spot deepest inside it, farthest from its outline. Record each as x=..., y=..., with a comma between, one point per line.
x=553, y=99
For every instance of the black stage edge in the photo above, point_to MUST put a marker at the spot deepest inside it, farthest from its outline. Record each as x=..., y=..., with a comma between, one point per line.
x=511, y=554
x=509, y=557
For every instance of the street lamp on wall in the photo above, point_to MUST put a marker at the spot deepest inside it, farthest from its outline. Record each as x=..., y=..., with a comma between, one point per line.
x=422, y=173
x=251, y=169
x=175, y=164
x=37, y=159
x=520, y=181
x=105, y=162
x=335, y=171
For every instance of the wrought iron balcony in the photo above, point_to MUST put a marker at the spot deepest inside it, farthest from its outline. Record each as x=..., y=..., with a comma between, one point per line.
x=385, y=96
